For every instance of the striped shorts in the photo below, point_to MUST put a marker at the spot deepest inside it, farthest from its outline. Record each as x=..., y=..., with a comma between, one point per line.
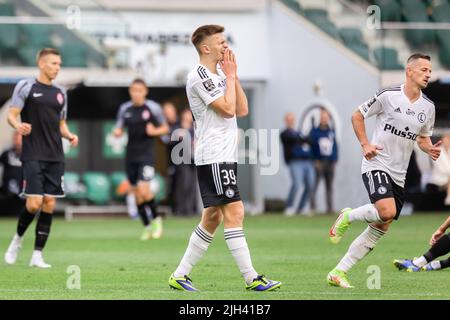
x=218, y=183
x=379, y=185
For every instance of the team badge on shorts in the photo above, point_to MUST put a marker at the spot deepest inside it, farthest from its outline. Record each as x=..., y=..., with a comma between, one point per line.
x=382, y=190
x=229, y=193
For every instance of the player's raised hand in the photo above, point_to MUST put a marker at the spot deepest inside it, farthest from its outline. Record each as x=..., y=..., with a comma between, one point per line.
x=435, y=150
x=436, y=236
x=24, y=128
x=227, y=64
x=371, y=150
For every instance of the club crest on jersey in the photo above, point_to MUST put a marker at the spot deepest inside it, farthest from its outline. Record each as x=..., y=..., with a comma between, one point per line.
x=60, y=98
x=229, y=192
x=421, y=117
x=209, y=85
x=145, y=115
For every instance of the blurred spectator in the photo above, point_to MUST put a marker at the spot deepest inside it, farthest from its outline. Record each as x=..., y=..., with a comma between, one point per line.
x=10, y=202
x=297, y=155
x=185, y=189
x=170, y=112
x=324, y=152
x=440, y=175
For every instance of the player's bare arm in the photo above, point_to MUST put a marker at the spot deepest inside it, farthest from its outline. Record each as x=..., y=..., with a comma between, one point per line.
x=433, y=150
x=369, y=150
x=440, y=231
x=153, y=131
x=66, y=134
x=226, y=105
x=22, y=127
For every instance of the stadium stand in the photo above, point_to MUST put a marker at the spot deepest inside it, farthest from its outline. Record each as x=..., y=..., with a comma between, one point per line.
x=368, y=46
x=19, y=43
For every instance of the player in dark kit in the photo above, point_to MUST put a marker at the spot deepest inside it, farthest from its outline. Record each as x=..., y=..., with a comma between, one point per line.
x=42, y=107
x=144, y=121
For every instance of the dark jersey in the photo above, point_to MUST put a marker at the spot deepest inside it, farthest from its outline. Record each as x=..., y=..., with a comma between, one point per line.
x=12, y=171
x=43, y=106
x=135, y=119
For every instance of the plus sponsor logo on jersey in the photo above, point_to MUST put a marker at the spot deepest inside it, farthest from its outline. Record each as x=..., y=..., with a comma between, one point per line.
x=400, y=133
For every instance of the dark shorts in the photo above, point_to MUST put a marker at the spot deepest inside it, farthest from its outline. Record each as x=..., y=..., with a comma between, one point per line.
x=43, y=178
x=139, y=171
x=218, y=183
x=379, y=185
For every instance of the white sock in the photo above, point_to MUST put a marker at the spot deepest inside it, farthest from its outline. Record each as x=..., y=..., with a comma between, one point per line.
x=198, y=244
x=17, y=238
x=360, y=247
x=420, y=262
x=367, y=213
x=37, y=254
x=237, y=244
x=435, y=264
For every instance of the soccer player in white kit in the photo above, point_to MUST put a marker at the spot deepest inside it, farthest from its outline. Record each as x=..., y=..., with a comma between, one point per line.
x=404, y=115
x=216, y=98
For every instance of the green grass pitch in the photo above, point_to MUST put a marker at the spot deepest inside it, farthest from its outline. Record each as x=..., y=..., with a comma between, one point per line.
x=115, y=264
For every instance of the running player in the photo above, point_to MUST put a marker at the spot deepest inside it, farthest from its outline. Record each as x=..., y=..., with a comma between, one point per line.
x=404, y=115
x=144, y=121
x=42, y=107
x=216, y=98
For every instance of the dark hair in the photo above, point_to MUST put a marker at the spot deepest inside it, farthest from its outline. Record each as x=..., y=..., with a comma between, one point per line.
x=139, y=81
x=418, y=55
x=47, y=51
x=205, y=31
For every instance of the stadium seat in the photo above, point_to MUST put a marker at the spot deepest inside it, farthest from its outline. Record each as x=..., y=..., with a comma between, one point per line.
x=97, y=187
x=7, y=9
x=73, y=187
x=9, y=36
x=316, y=14
x=416, y=11
x=38, y=35
x=294, y=5
x=117, y=179
x=27, y=55
x=444, y=54
x=441, y=13
x=390, y=10
x=73, y=55
x=387, y=58
x=361, y=49
x=351, y=36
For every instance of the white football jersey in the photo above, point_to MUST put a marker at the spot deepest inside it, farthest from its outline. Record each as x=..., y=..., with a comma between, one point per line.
x=398, y=123
x=215, y=136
